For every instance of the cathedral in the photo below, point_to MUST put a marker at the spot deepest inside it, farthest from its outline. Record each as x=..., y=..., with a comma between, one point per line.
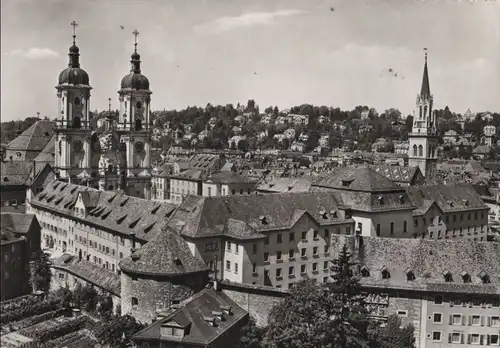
x=116, y=155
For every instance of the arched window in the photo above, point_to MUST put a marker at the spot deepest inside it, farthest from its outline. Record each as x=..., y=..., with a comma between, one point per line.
x=415, y=150
x=60, y=147
x=425, y=111
x=138, y=125
x=420, y=150
x=110, y=168
x=77, y=122
x=430, y=151
x=138, y=105
x=420, y=115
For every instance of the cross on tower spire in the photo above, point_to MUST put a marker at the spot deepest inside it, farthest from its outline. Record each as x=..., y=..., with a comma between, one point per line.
x=135, y=33
x=109, y=104
x=74, y=24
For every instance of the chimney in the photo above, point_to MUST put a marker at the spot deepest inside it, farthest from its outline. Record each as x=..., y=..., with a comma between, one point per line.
x=132, y=235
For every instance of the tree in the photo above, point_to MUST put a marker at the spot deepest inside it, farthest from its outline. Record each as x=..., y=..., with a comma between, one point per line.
x=251, y=335
x=243, y=145
x=105, y=306
x=391, y=334
x=117, y=332
x=40, y=274
x=326, y=315
x=66, y=297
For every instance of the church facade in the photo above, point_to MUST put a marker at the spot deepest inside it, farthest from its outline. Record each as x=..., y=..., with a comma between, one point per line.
x=115, y=156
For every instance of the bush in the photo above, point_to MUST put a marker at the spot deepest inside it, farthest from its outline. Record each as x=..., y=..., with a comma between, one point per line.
x=39, y=318
x=29, y=310
x=46, y=334
x=17, y=303
x=65, y=340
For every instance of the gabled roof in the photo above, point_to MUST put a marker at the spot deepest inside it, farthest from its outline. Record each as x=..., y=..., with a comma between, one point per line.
x=35, y=138
x=192, y=316
x=209, y=216
x=17, y=223
x=362, y=179
x=449, y=198
x=167, y=254
x=48, y=152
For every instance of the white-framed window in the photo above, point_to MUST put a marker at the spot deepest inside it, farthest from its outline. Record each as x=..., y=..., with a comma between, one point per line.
x=456, y=319
x=495, y=320
x=475, y=338
x=455, y=337
x=476, y=320
x=228, y=265
x=438, y=300
x=437, y=318
x=436, y=336
x=494, y=340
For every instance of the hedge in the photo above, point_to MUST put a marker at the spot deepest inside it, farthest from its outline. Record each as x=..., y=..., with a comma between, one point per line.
x=45, y=335
x=17, y=303
x=29, y=310
x=65, y=340
x=38, y=319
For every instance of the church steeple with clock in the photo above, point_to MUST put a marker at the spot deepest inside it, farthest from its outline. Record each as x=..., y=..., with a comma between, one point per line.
x=73, y=131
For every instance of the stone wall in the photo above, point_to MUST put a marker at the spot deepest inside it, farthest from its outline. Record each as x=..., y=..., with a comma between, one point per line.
x=256, y=300
x=154, y=294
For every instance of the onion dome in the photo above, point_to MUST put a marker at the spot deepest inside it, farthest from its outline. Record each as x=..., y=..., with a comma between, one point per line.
x=135, y=80
x=73, y=74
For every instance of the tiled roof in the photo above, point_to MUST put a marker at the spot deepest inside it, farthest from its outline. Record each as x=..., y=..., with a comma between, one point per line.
x=15, y=172
x=209, y=216
x=35, y=138
x=449, y=198
x=283, y=185
x=230, y=177
x=429, y=260
x=14, y=225
x=397, y=173
x=362, y=179
x=48, y=152
x=189, y=174
x=192, y=316
x=89, y=271
x=113, y=211
x=203, y=161
x=166, y=254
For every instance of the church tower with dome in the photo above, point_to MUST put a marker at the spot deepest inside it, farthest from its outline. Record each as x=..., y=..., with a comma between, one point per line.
x=73, y=124
x=134, y=126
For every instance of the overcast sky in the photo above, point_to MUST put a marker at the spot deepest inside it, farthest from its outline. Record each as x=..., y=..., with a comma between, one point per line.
x=278, y=52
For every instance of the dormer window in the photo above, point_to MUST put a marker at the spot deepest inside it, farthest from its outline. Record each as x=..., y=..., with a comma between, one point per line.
x=465, y=202
x=263, y=220
x=410, y=275
x=219, y=315
x=364, y=272
x=226, y=310
x=466, y=277
x=385, y=273
x=5, y=179
x=172, y=328
x=401, y=198
x=484, y=277
x=209, y=320
x=346, y=182
x=450, y=203
x=447, y=276
x=381, y=199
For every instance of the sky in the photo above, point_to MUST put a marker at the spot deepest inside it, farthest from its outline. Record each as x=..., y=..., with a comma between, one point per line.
x=339, y=53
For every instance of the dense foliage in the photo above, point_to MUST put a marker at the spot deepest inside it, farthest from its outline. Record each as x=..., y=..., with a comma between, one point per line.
x=117, y=331
x=18, y=302
x=39, y=318
x=29, y=310
x=391, y=334
x=39, y=270
x=330, y=315
x=10, y=130
x=44, y=334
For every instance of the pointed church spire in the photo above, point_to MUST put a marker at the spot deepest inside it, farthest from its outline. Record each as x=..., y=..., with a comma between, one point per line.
x=425, y=92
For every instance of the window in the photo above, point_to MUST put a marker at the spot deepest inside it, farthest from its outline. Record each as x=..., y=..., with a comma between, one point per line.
x=228, y=265
x=228, y=246
x=392, y=228
x=304, y=235
x=303, y=252
x=291, y=236
x=135, y=301
x=455, y=337
x=456, y=319
x=386, y=274
x=405, y=227
x=326, y=249
x=278, y=256
x=291, y=254
x=315, y=251
x=494, y=339
x=302, y=269
x=279, y=238
x=476, y=320
x=254, y=249
x=254, y=268
x=378, y=230
x=438, y=318
x=236, y=248
x=315, y=267
x=278, y=273
x=266, y=241
x=495, y=321
x=236, y=268
x=325, y=265
x=266, y=257
x=436, y=336
x=402, y=313
x=474, y=338
x=438, y=299
x=327, y=233
x=315, y=235
x=291, y=271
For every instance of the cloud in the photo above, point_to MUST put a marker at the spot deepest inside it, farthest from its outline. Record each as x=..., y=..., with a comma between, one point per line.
x=223, y=24
x=35, y=53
